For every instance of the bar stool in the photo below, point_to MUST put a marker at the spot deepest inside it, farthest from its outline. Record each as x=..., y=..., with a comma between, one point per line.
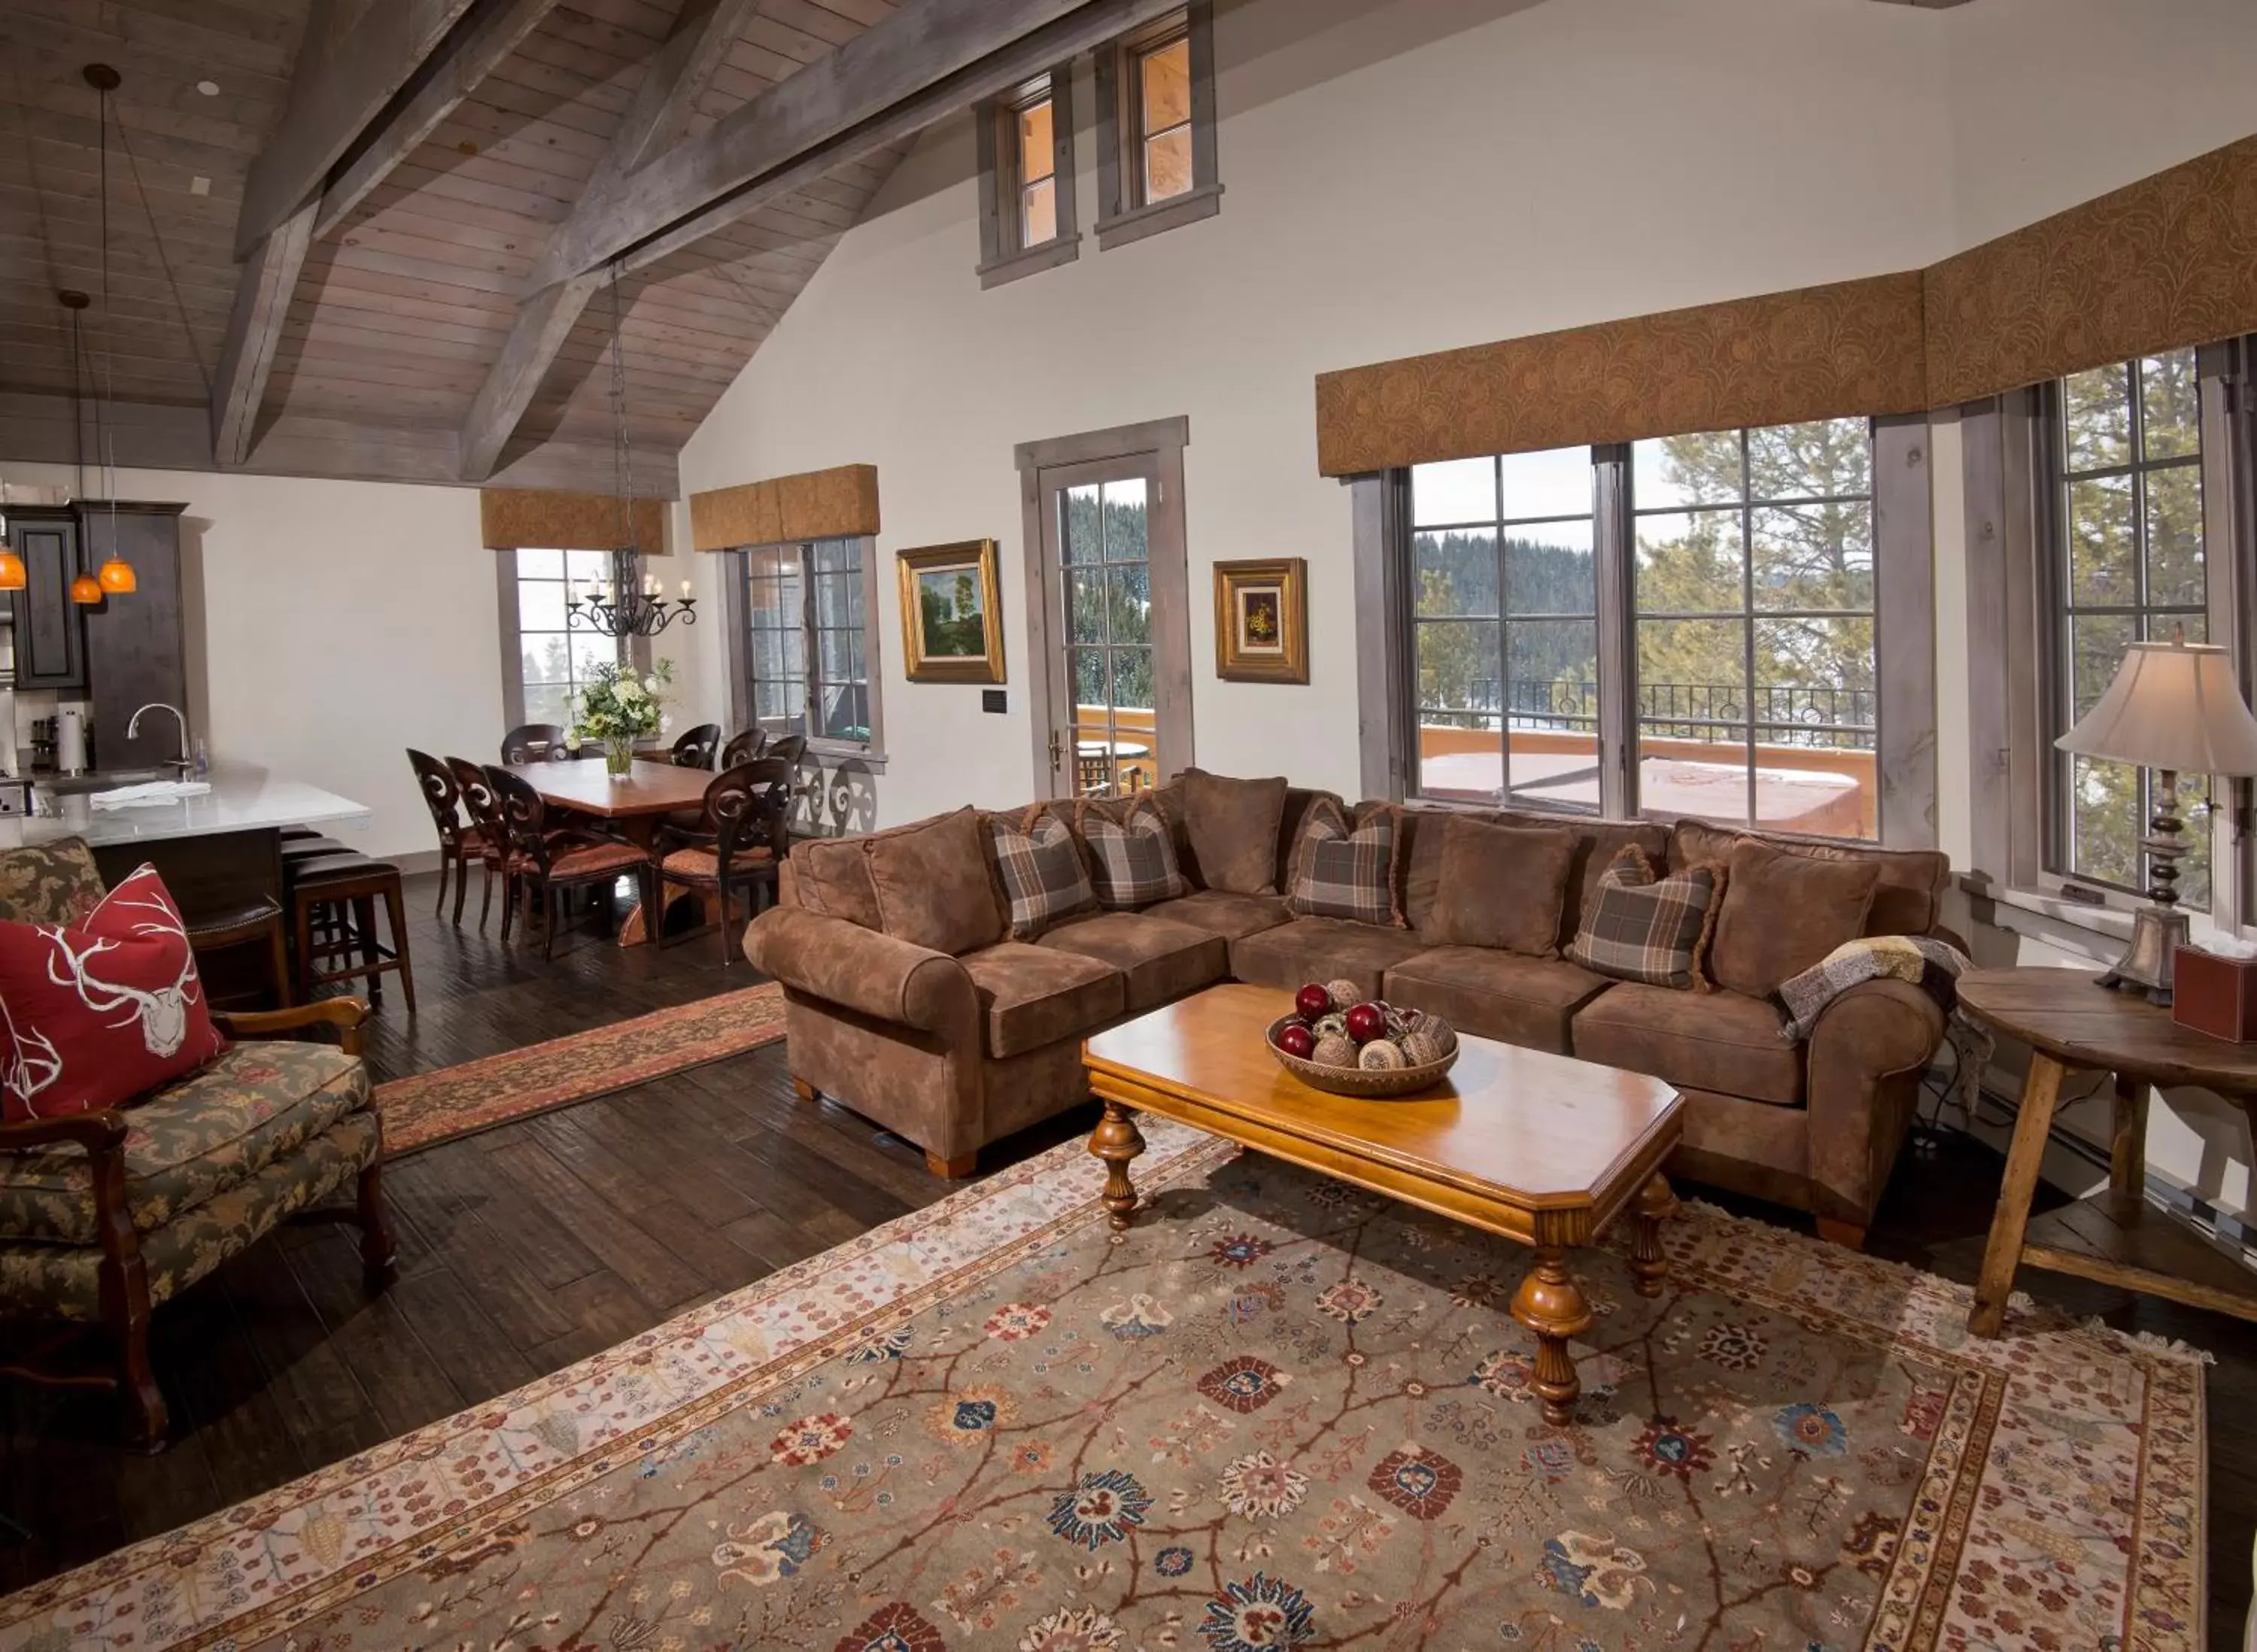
x=333, y=915
x=259, y=921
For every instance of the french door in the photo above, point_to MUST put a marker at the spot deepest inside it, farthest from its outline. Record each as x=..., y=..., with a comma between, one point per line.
x=1112, y=628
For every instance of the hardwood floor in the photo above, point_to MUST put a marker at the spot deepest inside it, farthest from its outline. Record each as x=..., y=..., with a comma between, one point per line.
x=538, y=1243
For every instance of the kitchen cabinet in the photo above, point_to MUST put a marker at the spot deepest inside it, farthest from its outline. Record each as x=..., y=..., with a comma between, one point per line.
x=50, y=630
x=136, y=649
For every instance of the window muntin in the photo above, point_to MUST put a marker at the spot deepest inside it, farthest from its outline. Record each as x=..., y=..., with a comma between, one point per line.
x=555, y=662
x=1505, y=629
x=2126, y=564
x=806, y=656
x=1752, y=583
x=1164, y=119
x=1035, y=167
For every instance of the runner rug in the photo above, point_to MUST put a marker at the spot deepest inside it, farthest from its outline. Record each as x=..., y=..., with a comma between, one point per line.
x=1276, y=1413
x=427, y=1108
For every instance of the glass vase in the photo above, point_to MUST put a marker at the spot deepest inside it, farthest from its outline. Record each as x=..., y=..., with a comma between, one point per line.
x=618, y=755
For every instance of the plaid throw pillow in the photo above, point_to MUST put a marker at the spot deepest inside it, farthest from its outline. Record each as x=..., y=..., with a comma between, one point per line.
x=1133, y=860
x=1043, y=877
x=1640, y=927
x=1342, y=871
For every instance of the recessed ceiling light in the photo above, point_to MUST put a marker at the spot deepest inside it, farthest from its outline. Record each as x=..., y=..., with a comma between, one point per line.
x=209, y=89
x=200, y=186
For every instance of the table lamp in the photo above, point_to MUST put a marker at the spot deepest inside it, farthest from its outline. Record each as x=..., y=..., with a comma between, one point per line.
x=2173, y=708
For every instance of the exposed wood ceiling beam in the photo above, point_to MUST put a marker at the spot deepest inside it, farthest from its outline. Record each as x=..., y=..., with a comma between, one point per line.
x=677, y=76
x=929, y=60
x=334, y=98
x=494, y=30
x=371, y=96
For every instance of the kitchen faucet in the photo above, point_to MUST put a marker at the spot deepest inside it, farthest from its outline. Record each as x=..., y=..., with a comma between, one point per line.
x=133, y=727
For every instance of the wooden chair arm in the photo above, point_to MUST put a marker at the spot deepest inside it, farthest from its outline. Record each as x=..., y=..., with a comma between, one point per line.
x=348, y=1015
x=98, y=1132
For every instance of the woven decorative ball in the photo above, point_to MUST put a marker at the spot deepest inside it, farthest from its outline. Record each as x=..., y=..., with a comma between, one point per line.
x=1381, y=1055
x=1371, y=1084
x=1345, y=994
x=1337, y=1050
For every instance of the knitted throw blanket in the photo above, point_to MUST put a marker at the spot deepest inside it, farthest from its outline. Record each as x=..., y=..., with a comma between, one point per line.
x=1933, y=966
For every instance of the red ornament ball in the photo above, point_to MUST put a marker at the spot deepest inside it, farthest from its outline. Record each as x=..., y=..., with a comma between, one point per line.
x=1296, y=1040
x=1366, y=1022
x=1313, y=1003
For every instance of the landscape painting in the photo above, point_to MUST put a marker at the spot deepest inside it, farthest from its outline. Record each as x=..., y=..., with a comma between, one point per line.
x=952, y=623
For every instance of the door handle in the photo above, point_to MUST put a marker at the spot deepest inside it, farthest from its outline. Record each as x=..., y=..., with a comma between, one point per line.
x=1054, y=751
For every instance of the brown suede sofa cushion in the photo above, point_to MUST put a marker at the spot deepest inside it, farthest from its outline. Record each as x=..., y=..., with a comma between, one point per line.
x=932, y=883
x=1507, y=884
x=1907, y=898
x=1031, y=996
x=1230, y=827
x=1722, y=1042
x=1783, y=913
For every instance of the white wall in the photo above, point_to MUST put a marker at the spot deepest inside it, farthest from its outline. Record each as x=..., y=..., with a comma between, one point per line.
x=1398, y=178
x=332, y=624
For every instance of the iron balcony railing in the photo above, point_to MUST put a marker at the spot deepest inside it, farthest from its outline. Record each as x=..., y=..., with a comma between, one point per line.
x=1823, y=716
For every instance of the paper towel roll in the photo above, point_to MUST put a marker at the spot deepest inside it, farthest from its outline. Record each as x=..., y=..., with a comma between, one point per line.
x=70, y=740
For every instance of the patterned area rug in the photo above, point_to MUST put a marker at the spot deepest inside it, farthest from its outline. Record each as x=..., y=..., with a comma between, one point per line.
x=1278, y=1413
x=427, y=1108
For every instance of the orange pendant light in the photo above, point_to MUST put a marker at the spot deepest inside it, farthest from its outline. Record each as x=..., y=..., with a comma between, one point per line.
x=86, y=588
x=12, y=572
x=116, y=576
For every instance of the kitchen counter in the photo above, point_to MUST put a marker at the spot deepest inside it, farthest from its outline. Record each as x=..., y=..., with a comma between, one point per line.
x=242, y=799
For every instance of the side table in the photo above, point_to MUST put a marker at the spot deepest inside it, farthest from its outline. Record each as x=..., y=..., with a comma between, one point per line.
x=2071, y=1023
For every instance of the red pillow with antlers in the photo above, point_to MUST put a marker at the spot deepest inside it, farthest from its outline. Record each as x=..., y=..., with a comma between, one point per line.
x=102, y=1011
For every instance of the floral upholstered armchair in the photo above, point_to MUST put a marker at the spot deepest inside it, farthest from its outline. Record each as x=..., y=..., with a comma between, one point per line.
x=104, y=1215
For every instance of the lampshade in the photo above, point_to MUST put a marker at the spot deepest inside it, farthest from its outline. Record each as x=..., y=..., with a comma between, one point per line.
x=116, y=576
x=2174, y=705
x=86, y=588
x=12, y=577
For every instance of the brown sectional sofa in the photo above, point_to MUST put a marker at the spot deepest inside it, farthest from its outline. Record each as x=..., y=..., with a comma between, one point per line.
x=953, y=1052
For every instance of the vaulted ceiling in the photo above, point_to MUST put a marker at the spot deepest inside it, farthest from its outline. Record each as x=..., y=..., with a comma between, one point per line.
x=376, y=237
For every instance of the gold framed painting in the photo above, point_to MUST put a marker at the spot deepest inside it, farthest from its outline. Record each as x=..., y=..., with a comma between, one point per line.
x=952, y=613
x=1262, y=621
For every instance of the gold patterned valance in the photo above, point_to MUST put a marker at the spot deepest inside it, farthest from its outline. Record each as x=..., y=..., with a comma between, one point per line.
x=2161, y=264
x=840, y=503
x=1819, y=352
x=512, y=519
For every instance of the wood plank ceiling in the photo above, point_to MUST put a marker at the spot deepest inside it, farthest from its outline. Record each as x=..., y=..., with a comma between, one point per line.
x=401, y=309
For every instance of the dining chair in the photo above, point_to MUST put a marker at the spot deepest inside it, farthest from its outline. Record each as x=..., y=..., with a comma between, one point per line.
x=484, y=810
x=737, y=842
x=443, y=795
x=696, y=748
x=790, y=749
x=743, y=748
x=532, y=742
x=555, y=862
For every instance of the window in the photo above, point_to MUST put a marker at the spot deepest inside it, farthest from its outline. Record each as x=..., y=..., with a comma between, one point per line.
x=1506, y=616
x=806, y=653
x=2126, y=565
x=554, y=661
x=1156, y=164
x=1026, y=181
x=1753, y=586
x=1682, y=626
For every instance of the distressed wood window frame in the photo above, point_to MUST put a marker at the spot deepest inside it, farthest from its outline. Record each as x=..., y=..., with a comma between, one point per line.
x=1047, y=467
x=1904, y=643
x=1003, y=258
x=1123, y=215
x=511, y=638
x=2008, y=445
x=737, y=619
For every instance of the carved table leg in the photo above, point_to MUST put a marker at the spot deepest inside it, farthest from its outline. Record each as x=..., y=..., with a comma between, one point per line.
x=1649, y=1268
x=378, y=1256
x=1552, y=1305
x=1116, y=1142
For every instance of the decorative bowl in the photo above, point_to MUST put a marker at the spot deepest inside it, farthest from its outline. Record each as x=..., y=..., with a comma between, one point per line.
x=1368, y=1084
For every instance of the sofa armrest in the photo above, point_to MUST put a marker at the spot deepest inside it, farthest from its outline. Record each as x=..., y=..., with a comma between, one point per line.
x=103, y=1134
x=98, y=1132
x=1866, y=1054
x=348, y=1015
x=862, y=970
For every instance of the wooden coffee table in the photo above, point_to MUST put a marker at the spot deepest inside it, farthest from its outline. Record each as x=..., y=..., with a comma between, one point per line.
x=1543, y=1149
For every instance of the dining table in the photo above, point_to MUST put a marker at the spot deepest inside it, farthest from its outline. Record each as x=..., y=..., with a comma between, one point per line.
x=636, y=804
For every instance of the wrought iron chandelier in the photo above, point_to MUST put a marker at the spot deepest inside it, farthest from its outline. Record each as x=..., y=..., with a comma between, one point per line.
x=631, y=603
